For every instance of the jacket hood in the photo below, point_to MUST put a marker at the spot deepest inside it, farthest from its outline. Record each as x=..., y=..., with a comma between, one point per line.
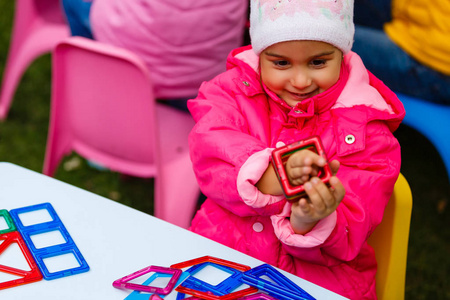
x=357, y=87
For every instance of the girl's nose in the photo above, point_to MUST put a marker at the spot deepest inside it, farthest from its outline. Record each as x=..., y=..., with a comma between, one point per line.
x=301, y=80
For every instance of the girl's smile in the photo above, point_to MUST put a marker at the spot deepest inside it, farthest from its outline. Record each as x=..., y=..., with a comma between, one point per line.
x=303, y=96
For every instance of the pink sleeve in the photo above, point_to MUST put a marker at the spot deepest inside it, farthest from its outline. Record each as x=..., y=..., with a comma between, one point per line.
x=249, y=174
x=317, y=236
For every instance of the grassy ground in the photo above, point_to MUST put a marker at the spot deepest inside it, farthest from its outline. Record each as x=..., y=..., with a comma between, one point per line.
x=23, y=137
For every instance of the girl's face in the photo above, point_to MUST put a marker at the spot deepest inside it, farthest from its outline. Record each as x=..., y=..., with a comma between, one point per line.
x=298, y=70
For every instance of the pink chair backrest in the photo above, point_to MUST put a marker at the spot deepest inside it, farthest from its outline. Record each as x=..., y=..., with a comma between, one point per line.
x=107, y=108
x=103, y=108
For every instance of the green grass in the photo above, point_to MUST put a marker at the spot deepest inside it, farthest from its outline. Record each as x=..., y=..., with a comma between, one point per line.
x=23, y=136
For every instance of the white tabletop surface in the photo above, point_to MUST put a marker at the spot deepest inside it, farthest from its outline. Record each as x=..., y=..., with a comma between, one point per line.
x=115, y=240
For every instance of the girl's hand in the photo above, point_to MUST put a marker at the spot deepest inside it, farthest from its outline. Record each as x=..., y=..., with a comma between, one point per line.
x=320, y=203
x=303, y=165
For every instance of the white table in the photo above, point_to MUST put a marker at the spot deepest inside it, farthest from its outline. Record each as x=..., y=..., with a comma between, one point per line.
x=115, y=240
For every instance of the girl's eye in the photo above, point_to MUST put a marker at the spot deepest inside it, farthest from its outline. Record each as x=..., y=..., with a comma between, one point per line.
x=281, y=63
x=318, y=62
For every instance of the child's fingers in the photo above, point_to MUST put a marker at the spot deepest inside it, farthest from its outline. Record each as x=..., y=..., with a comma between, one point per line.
x=298, y=181
x=298, y=176
x=317, y=193
x=300, y=171
x=306, y=158
x=304, y=206
x=316, y=160
x=323, y=198
x=334, y=166
x=337, y=188
x=303, y=165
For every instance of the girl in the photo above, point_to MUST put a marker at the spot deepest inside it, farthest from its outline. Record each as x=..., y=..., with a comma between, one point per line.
x=297, y=79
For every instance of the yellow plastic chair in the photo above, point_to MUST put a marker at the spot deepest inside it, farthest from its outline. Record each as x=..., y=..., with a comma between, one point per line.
x=390, y=242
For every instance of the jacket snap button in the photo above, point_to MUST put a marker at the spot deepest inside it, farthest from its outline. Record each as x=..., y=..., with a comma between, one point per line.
x=280, y=144
x=350, y=139
x=246, y=83
x=258, y=227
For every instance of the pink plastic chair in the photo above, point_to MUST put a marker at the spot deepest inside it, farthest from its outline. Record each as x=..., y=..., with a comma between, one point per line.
x=103, y=108
x=38, y=26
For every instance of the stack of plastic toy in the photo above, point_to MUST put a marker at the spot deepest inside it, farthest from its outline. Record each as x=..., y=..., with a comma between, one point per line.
x=264, y=282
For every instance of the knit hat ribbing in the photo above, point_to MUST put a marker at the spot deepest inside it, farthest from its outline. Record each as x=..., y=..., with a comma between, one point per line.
x=274, y=21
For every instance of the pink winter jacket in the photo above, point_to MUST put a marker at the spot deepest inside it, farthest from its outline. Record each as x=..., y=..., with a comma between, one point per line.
x=239, y=123
x=183, y=42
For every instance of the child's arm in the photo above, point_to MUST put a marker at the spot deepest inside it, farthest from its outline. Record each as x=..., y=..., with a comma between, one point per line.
x=269, y=183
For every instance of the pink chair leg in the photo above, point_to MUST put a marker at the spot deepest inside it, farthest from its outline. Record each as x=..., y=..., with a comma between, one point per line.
x=32, y=36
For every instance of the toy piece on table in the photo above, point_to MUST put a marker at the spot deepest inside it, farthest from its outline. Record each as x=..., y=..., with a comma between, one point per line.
x=282, y=154
x=29, y=276
x=258, y=296
x=175, y=274
x=223, y=290
x=225, y=287
x=9, y=222
x=137, y=295
x=182, y=296
x=279, y=287
x=212, y=296
x=203, y=259
x=68, y=248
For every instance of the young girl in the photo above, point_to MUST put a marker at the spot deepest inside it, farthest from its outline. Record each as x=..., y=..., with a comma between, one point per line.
x=298, y=79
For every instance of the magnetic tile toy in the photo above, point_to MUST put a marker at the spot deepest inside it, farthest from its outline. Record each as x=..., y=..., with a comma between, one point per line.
x=279, y=287
x=211, y=296
x=282, y=154
x=137, y=295
x=9, y=222
x=123, y=282
x=29, y=276
x=68, y=248
x=224, y=290
x=225, y=287
x=212, y=259
x=258, y=296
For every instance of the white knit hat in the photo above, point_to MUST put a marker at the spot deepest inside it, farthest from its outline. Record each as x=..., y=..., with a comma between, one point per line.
x=274, y=21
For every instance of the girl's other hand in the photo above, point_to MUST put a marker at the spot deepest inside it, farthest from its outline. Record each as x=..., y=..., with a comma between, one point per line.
x=320, y=203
